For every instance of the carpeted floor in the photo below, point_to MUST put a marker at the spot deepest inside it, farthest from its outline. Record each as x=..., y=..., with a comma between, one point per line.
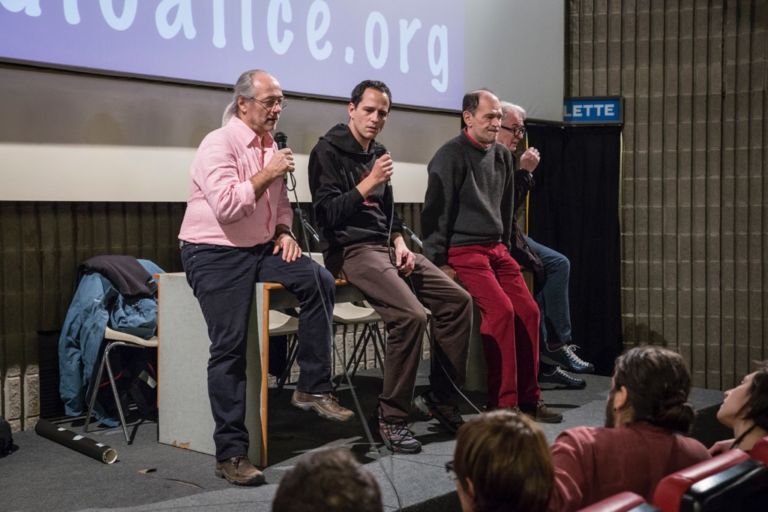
x=149, y=476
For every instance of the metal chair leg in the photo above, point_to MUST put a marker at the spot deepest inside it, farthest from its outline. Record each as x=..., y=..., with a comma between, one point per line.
x=115, y=393
x=94, y=391
x=293, y=353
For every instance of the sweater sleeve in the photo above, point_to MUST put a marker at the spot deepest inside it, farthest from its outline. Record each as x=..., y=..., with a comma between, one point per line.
x=508, y=200
x=333, y=199
x=438, y=212
x=572, y=471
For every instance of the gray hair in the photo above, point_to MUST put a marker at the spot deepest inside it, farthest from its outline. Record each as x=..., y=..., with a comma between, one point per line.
x=507, y=106
x=244, y=88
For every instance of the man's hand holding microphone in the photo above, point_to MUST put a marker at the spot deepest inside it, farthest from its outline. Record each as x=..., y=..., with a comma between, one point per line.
x=381, y=172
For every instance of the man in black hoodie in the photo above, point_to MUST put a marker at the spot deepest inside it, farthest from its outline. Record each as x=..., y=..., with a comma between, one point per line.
x=349, y=178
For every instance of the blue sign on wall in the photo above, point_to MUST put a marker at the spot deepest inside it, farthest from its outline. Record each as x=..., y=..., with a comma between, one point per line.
x=606, y=110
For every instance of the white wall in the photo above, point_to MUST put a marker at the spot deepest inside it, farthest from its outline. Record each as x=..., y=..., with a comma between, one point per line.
x=517, y=49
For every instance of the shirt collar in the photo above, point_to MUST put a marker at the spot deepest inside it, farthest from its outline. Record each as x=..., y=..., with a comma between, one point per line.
x=476, y=143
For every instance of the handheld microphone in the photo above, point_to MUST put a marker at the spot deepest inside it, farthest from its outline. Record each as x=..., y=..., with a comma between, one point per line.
x=413, y=236
x=282, y=142
x=281, y=139
x=380, y=151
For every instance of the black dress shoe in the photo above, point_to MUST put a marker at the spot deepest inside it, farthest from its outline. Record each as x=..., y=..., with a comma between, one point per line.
x=560, y=377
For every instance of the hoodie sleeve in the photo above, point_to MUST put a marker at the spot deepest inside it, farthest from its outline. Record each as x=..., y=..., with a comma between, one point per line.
x=388, y=207
x=438, y=212
x=333, y=199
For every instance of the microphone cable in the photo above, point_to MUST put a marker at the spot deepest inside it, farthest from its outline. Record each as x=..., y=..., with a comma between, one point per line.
x=359, y=408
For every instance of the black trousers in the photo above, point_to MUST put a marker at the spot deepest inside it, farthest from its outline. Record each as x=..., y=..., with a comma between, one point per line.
x=223, y=280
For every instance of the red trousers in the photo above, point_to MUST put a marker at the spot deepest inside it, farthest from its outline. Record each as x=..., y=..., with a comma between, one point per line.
x=510, y=323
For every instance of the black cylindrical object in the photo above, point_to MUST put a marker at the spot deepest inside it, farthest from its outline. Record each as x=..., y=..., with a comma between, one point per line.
x=79, y=442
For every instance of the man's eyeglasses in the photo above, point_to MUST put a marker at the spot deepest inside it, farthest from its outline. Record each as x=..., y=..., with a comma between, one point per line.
x=449, y=469
x=514, y=130
x=270, y=103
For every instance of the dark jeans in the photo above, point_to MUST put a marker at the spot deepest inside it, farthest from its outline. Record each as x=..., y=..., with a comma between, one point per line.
x=223, y=280
x=552, y=297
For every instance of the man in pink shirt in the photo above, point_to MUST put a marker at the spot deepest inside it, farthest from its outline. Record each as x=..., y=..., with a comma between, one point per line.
x=236, y=231
x=647, y=417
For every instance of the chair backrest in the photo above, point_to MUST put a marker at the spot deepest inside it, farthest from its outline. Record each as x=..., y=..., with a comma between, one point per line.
x=760, y=450
x=743, y=487
x=621, y=502
x=670, y=490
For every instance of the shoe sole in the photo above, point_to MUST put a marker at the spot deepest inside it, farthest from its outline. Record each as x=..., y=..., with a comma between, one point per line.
x=548, y=420
x=552, y=362
x=393, y=449
x=320, y=412
x=373, y=425
x=563, y=385
x=257, y=480
x=555, y=419
x=421, y=404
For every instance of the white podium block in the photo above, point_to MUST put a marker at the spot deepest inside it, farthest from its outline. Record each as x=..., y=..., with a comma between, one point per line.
x=185, y=419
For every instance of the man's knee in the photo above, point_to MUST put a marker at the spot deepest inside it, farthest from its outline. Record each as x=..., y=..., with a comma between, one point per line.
x=562, y=264
x=325, y=278
x=416, y=317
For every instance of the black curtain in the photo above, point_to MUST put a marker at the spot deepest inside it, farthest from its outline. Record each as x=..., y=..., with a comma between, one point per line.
x=574, y=209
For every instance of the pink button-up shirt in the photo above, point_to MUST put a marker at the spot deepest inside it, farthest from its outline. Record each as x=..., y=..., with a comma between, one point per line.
x=222, y=208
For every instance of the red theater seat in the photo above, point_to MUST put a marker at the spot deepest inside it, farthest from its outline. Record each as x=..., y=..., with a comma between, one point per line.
x=622, y=502
x=669, y=492
x=760, y=450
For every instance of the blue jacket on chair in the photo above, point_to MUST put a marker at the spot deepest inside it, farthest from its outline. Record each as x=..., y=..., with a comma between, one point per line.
x=95, y=304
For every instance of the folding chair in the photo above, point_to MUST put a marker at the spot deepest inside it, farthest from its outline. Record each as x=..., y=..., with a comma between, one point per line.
x=114, y=339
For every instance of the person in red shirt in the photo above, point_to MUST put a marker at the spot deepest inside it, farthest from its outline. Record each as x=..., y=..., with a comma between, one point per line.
x=644, y=438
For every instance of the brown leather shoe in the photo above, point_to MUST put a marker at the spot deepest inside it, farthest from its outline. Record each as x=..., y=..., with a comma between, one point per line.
x=541, y=412
x=325, y=404
x=239, y=471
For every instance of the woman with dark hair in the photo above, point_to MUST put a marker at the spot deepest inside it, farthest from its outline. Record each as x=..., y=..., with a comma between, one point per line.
x=745, y=411
x=502, y=463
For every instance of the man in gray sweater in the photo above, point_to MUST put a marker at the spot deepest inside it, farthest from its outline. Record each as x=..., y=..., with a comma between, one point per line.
x=467, y=225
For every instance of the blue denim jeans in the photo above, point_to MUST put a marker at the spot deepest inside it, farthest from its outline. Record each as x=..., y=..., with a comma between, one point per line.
x=552, y=297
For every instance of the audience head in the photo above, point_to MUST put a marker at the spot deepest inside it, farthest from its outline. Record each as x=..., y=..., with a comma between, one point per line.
x=502, y=462
x=745, y=407
x=650, y=384
x=328, y=480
